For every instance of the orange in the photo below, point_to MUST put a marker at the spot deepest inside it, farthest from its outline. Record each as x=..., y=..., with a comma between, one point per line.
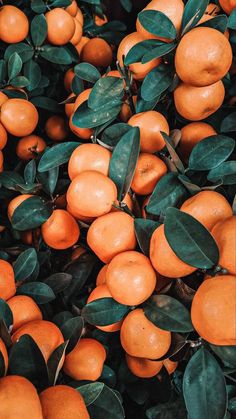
x=15, y=202
x=84, y=40
x=77, y=34
x=61, y=26
x=101, y=291
x=91, y=194
x=196, y=103
x=79, y=251
x=101, y=277
x=173, y=9
x=69, y=75
x=55, y=128
x=29, y=147
x=143, y=367
x=100, y=21
x=4, y=353
x=163, y=258
x=29, y=236
x=97, y=52
x=7, y=280
x=86, y=360
x=19, y=117
x=1, y=161
x=24, y=310
x=228, y=5
x=19, y=399
x=141, y=338
x=148, y=172
x=3, y=98
x=130, y=278
x=208, y=207
x=14, y=24
x=192, y=134
x=203, y=56
x=150, y=124
x=143, y=209
x=79, y=217
x=225, y=237
x=82, y=97
x=61, y=230
x=79, y=16
x=111, y=234
x=212, y=9
x=3, y=137
x=45, y=334
x=126, y=200
x=69, y=107
x=83, y=133
x=63, y=402
x=213, y=311
x=72, y=8
x=170, y=365
x=89, y=157
x=138, y=70
x=126, y=113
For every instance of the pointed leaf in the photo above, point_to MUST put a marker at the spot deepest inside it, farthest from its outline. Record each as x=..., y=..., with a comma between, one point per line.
x=226, y=172
x=193, y=12
x=55, y=363
x=143, y=230
x=156, y=82
x=30, y=172
x=84, y=117
x=14, y=65
x=56, y=156
x=112, y=135
x=32, y=213
x=87, y=72
x=104, y=311
x=229, y=123
x=25, y=264
x=6, y=313
x=38, y=30
x=32, y=72
x=105, y=90
x=72, y=330
x=157, y=23
x=174, y=156
x=39, y=291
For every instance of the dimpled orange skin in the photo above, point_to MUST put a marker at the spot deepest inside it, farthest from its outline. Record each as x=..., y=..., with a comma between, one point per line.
x=143, y=367
x=138, y=70
x=208, y=207
x=111, y=234
x=3, y=137
x=91, y=194
x=224, y=234
x=55, y=128
x=83, y=133
x=101, y=291
x=141, y=338
x=192, y=134
x=197, y=103
x=101, y=277
x=63, y=402
x=72, y=8
x=77, y=34
x=19, y=117
x=228, y=5
x=45, y=334
x=86, y=360
x=15, y=202
x=84, y=40
x=24, y=310
x=164, y=259
x=97, y=52
x=150, y=124
x=18, y=399
x=4, y=353
x=14, y=25
x=203, y=56
x=28, y=147
x=213, y=311
x=61, y=230
x=149, y=170
x=79, y=16
x=61, y=26
x=7, y=280
x=3, y=98
x=79, y=217
x=130, y=278
x=89, y=157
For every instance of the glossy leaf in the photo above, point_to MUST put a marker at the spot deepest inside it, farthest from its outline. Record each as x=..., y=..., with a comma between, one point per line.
x=143, y=230
x=38, y=30
x=158, y=51
x=14, y=65
x=32, y=213
x=30, y=172
x=58, y=282
x=104, y=91
x=191, y=187
x=46, y=103
x=229, y=123
x=226, y=353
x=38, y=6
x=56, y=156
x=156, y=82
x=157, y=23
x=226, y=172
x=217, y=22
x=25, y=264
x=104, y=311
x=137, y=52
x=6, y=313
x=32, y=72
x=55, y=363
x=91, y=391
x=232, y=20
x=57, y=55
x=144, y=105
x=193, y=12
x=87, y=72
x=25, y=51
x=174, y=156
x=112, y=135
x=39, y=291
x=84, y=117
x=20, y=81
x=127, y=4
x=72, y=330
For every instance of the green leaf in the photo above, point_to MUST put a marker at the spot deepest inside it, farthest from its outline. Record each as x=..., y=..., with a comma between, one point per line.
x=56, y=156
x=20, y=81
x=30, y=171
x=46, y=103
x=158, y=51
x=211, y=152
x=174, y=156
x=14, y=65
x=167, y=410
x=232, y=20
x=217, y=22
x=156, y=82
x=25, y=264
x=204, y=387
x=167, y=313
x=84, y=117
x=157, y=23
x=144, y=230
x=77, y=85
x=104, y=311
x=58, y=282
x=38, y=30
x=190, y=240
x=193, y=12
x=56, y=55
x=6, y=313
x=38, y=6
x=104, y=91
x=144, y=105
x=39, y=291
x=91, y=392
x=10, y=179
x=123, y=161
x=55, y=362
x=112, y=135
x=32, y=72
x=108, y=376
x=137, y=52
x=127, y=5
x=52, y=178
x=87, y=72
x=226, y=172
x=191, y=187
x=226, y=353
x=32, y=213
x=25, y=51
x=3, y=70
x=229, y=123
x=72, y=330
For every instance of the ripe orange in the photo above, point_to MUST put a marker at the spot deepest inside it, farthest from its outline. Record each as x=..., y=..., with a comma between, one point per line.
x=173, y=9
x=83, y=133
x=208, y=207
x=197, y=103
x=130, y=278
x=24, y=310
x=60, y=231
x=126, y=200
x=55, y=128
x=213, y=311
x=7, y=280
x=148, y=172
x=69, y=75
x=89, y=157
x=91, y=194
x=69, y=107
x=138, y=70
x=100, y=21
x=192, y=134
x=150, y=124
x=1, y=161
x=28, y=147
x=170, y=365
x=143, y=367
x=84, y=40
x=3, y=97
x=228, y=5
x=4, y=353
x=111, y=234
x=3, y=137
x=45, y=334
x=164, y=259
x=212, y=9
x=28, y=236
x=79, y=16
x=203, y=57
x=19, y=399
x=143, y=209
x=79, y=217
x=77, y=34
x=63, y=402
x=141, y=338
x=15, y=202
x=101, y=291
x=126, y=113
x=86, y=360
x=77, y=252
x=225, y=237
x=101, y=278
x=14, y=24
x=61, y=26
x=72, y=8
x=19, y=117
x=97, y=52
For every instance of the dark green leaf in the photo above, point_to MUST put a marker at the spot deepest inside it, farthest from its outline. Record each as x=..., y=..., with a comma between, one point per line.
x=10, y=180
x=77, y=85
x=39, y=291
x=143, y=230
x=108, y=376
x=157, y=23
x=32, y=72
x=57, y=55
x=84, y=117
x=52, y=179
x=232, y=20
x=91, y=392
x=191, y=187
x=144, y=105
x=58, y=282
x=226, y=353
x=104, y=311
x=193, y=12
x=217, y=22
x=56, y=156
x=226, y=172
x=160, y=50
x=72, y=331
x=25, y=264
x=3, y=369
x=3, y=70
x=46, y=103
x=60, y=318
x=112, y=135
x=6, y=313
x=156, y=82
x=104, y=91
x=127, y=4
x=55, y=363
x=14, y=65
x=137, y=52
x=19, y=81
x=32, y=213
x=38, y=30
x=167, y=410
x=87, y=72
x=174, y=156
x=25, y=51
x=38, y=6
x=229, y=123
x=30, y=172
